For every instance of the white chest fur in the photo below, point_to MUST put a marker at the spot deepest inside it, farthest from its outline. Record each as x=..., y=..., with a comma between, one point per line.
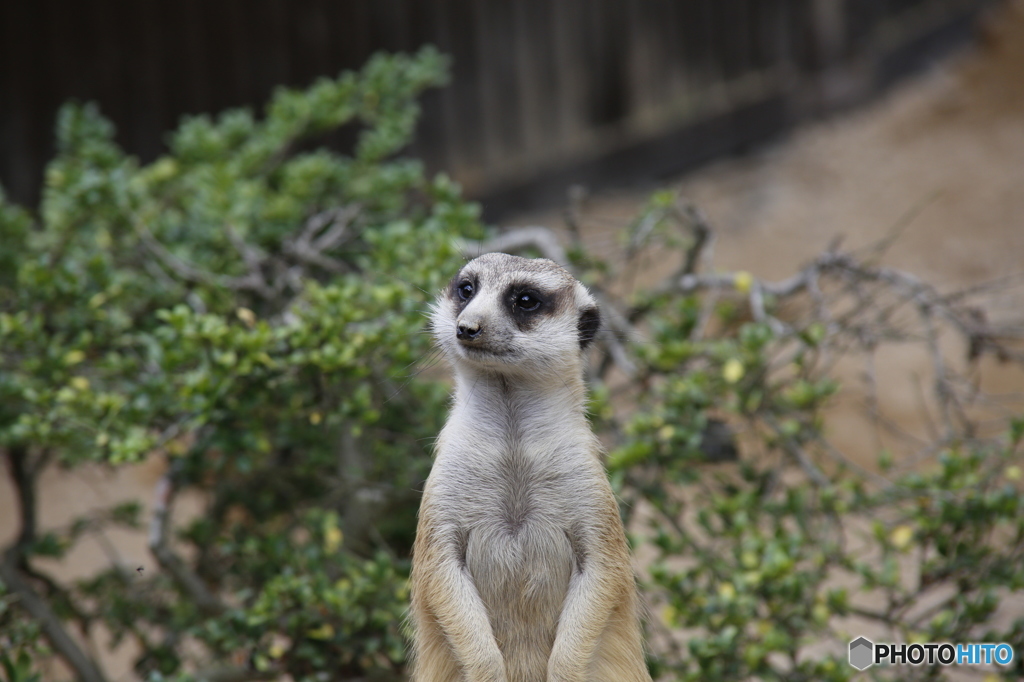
x=515, y=477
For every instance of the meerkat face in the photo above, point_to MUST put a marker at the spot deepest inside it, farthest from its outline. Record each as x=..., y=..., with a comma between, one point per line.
x=510, y=314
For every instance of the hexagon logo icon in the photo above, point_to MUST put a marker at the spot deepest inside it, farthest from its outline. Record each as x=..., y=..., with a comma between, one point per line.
x=861, y=653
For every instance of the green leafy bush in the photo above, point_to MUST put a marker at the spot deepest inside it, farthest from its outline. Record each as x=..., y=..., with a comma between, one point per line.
x=767, y=565
x=248, y=312
x=250, y=309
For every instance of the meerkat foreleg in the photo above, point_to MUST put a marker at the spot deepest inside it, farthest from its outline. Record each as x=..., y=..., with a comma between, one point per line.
x=454, y=604
x=585, y=615
x=598, y=636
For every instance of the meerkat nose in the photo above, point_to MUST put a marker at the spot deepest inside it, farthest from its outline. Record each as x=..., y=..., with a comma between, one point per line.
x=467, y=331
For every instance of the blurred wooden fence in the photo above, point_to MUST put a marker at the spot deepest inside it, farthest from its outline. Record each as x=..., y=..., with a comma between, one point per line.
x=545, y=92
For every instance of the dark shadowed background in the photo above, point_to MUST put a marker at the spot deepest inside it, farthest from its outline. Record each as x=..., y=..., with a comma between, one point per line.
x=543, y=95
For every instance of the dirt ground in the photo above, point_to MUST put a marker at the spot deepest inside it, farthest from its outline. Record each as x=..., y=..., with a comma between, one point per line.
x=947, y=147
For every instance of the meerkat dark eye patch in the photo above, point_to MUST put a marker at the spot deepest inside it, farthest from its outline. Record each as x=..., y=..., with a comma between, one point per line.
x=528, y=305
x=588, y=324
x=463, y=288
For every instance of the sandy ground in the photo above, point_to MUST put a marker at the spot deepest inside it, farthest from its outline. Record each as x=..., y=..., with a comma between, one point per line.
x=948, y=146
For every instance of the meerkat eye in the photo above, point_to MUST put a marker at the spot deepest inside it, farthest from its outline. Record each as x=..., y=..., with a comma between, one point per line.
x=527, y=301
x=465, y=291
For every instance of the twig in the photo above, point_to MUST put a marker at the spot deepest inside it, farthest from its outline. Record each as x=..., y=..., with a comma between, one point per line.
x=85, y=668
x=797, y=453
x=690, y=215
x=620, y=329
x=180, y=267
x=25, y=474
x=253, y=258
x=323, y=232
x=335, y=234
x=165, y=556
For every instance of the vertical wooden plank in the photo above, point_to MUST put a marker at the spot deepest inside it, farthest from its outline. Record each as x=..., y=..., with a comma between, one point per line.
x=747, y=38
x=571, y=71
x=429, y=140
x=350, y=33
x=609, y=91
x=686, y=54
x=21, y=157
x=714, y=55
x=765, y=18
x=59, y=72
x=144, y=108
x=187, y=81
x=468, y=135
x=310, y=40
x=240, y=44
x=648, y=51
x=496, y=79
x=545, y=78
x=529, y=46
x=450, y=157
x=268, y=48
x=8, y=117
x=345, y=48
x=828, y=22
x=675, y=30
x=215, y=35
x=389, y=29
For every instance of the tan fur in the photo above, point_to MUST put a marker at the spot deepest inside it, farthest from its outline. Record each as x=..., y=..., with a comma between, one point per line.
x=521, y=572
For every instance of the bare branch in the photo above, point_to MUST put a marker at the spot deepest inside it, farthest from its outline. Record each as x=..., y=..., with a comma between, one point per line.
x=690, y=215
x=791, y=446
x=166, y=557
x=253, y=258
x=338, y=229
x=25, y=475
x=323, y=231
x=85, y=668
x=183, y=269
x=520, y=239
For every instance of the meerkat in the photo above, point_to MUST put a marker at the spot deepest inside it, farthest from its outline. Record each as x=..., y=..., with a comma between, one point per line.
x=521, y=571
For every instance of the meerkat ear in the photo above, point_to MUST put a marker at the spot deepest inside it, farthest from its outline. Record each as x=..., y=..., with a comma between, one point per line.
x=588, y=324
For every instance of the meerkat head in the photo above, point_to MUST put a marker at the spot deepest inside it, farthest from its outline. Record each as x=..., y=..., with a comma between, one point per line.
x=515, y=315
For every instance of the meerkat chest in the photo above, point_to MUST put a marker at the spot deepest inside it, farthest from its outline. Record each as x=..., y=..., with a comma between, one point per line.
x=516, y=493
x=519, y=548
